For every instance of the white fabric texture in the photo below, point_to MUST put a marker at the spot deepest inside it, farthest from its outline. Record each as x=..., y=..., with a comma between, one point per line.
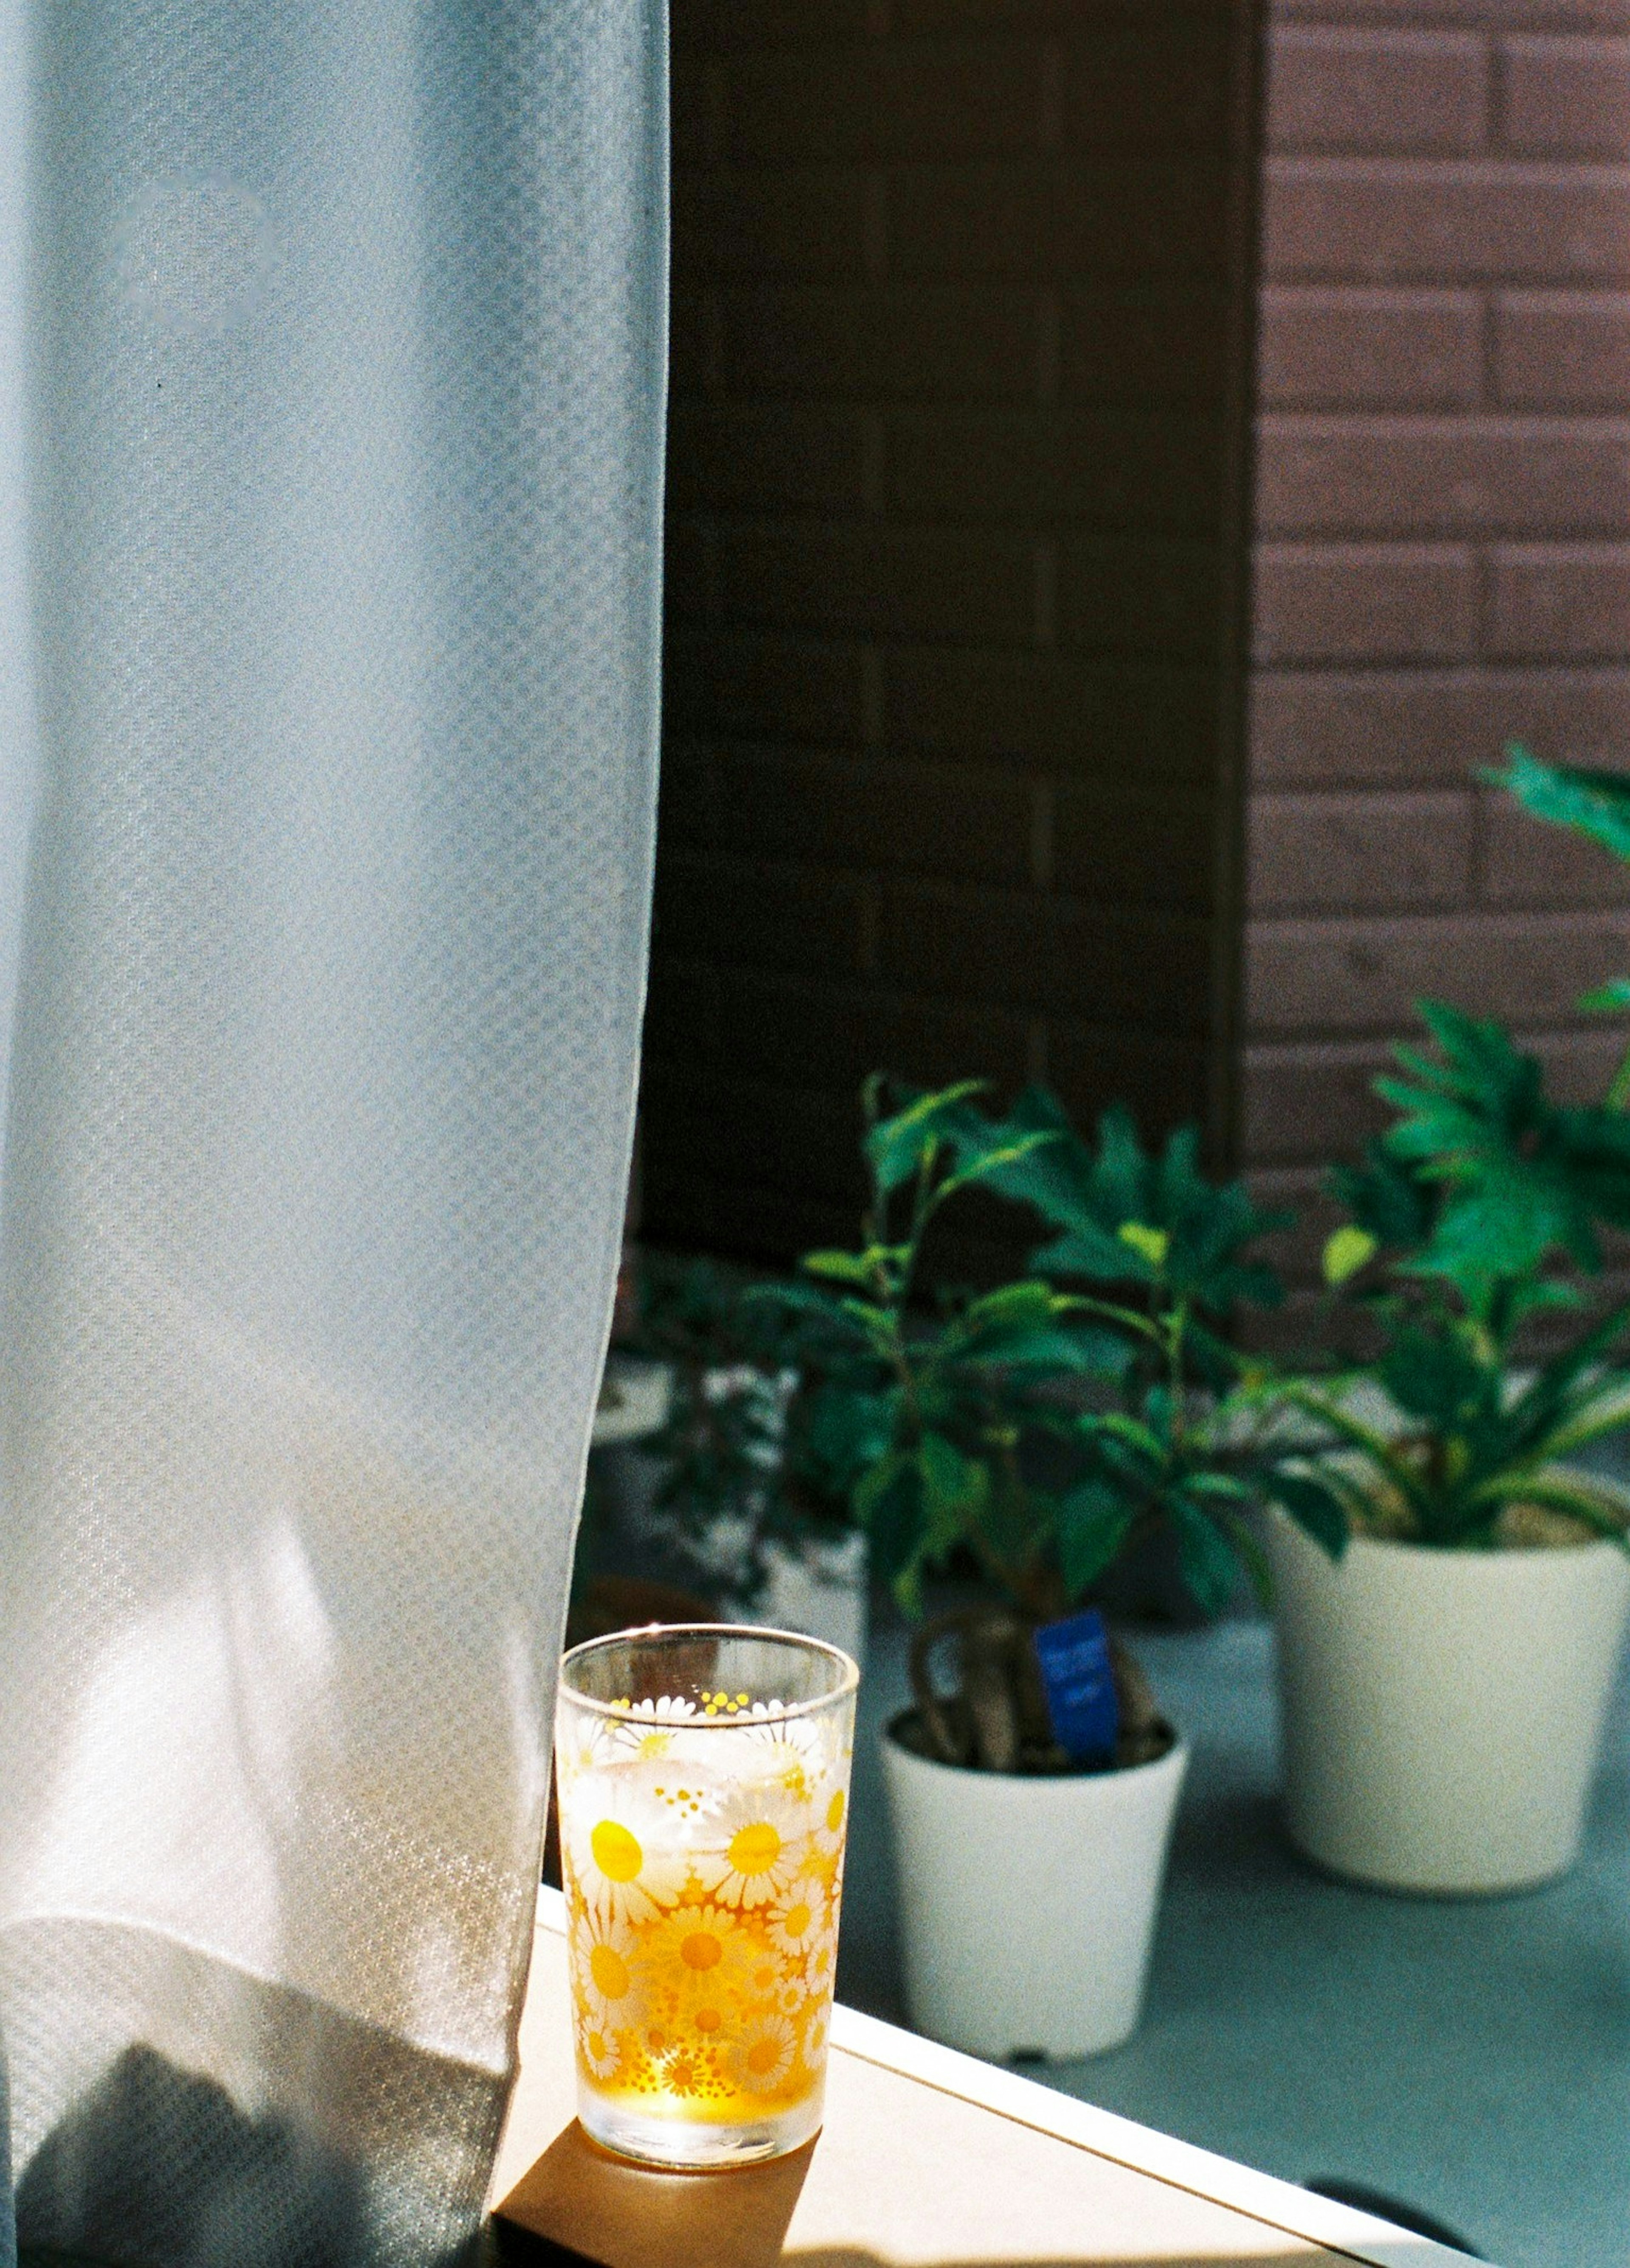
x=339, y=502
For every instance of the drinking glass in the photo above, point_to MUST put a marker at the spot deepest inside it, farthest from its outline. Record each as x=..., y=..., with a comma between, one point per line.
x=704, y=1784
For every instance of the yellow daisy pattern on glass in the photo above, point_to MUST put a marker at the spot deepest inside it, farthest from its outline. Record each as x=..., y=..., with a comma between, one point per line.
x=600, y=2051
x=603, y=1953
x=796, y=1922
x=697, y=1956
x=626, y=1861
x=763, y=2053
x=701, y=1870
x=758, y=1833
x=812, y=2047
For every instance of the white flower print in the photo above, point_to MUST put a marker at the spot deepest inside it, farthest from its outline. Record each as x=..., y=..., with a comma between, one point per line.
x=603, y=1969
x=599, y=2051
x=582, y=1743
x=646, y=1729
x=817, y=2027
x=762, y=2053
x=621, y=1847
x=755, y=1839
x=794, y=1923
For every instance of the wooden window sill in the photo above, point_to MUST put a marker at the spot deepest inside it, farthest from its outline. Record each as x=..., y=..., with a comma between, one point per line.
x=928, y=2159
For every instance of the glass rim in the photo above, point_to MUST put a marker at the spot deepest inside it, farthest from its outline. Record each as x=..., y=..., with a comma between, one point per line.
x=843, y=1691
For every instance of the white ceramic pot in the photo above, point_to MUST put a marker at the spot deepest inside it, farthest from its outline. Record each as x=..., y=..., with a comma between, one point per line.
x=1026, y=1903
x=1442, y=1710
x=819, y=1588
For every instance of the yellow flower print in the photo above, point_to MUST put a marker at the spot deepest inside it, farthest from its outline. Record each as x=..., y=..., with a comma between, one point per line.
x=709, y=2020
x=755, y=1840
x=621, y=1851
x=684, y=2073
x=697, y=1956
x=829, y=1806
x=603, y=1969
x=762, y=2053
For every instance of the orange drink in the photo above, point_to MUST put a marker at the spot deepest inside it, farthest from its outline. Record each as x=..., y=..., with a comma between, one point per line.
x=703, y=1785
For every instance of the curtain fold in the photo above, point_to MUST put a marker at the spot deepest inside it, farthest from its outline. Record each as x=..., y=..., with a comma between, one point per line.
x=337, y=466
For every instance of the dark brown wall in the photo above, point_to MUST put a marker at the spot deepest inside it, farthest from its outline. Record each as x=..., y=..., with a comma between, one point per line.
x=956, y=567
x=1444, y=539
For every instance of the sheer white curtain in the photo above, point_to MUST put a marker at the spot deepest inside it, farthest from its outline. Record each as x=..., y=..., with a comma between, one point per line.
x=328, y=579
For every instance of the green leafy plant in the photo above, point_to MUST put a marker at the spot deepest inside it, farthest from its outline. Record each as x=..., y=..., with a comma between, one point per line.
x=1482, y=1186
x=726, y=1492
x=1486, y=1185
x=1192, y=1445
x=1040, y=1429
x=1467, y=1456
x=1154, y=1224
x=1595, y=804
x=1481, y=1205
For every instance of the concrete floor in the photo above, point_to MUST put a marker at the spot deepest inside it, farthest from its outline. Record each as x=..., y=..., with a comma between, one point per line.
x=1472, y=2055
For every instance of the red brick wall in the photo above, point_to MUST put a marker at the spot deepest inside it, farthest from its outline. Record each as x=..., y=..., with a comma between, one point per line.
x=1442, y=555
x=956, y=577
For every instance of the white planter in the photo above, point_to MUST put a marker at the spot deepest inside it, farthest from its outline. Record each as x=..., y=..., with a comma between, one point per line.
x=634, y=1397
x=1442, y=1710
x=819, y=1589
x=1027, y=1904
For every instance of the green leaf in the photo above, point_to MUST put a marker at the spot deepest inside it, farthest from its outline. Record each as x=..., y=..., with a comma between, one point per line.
x=1314, y=1505
x=844, y=1432
x=840, y=1267
x=1345, y=1252
x=1591, y=803
x=1150, y=1244
x=1607, y=999
x=1125, y=1216
x=1600, y=1418
x=1571, y=1493
x=1558, y=1390
x=1392, y=1465
x=1256, y=1561
x=955, y=1490
x=888, y=1505
x=898, y=1146
x=1520, y=1182
x=1437, y=1375
x=1206, y=1560
x=1388, y=1198
x=1227, y=1485
x=986, y=1164
x=1118, y=1427
x=1093, y=1524
x=1031, y=1326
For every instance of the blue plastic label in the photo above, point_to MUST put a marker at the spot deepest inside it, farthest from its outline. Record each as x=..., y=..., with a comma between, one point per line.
x=1074, y=1658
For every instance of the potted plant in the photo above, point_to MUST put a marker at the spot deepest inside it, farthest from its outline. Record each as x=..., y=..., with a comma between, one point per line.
x=1033, y=1434
x=723, y=1494
x=1595, y=804
x=1444, y=1684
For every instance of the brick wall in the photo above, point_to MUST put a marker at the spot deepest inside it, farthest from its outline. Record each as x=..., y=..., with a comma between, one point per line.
x=956, y=575
x=1443, y=557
